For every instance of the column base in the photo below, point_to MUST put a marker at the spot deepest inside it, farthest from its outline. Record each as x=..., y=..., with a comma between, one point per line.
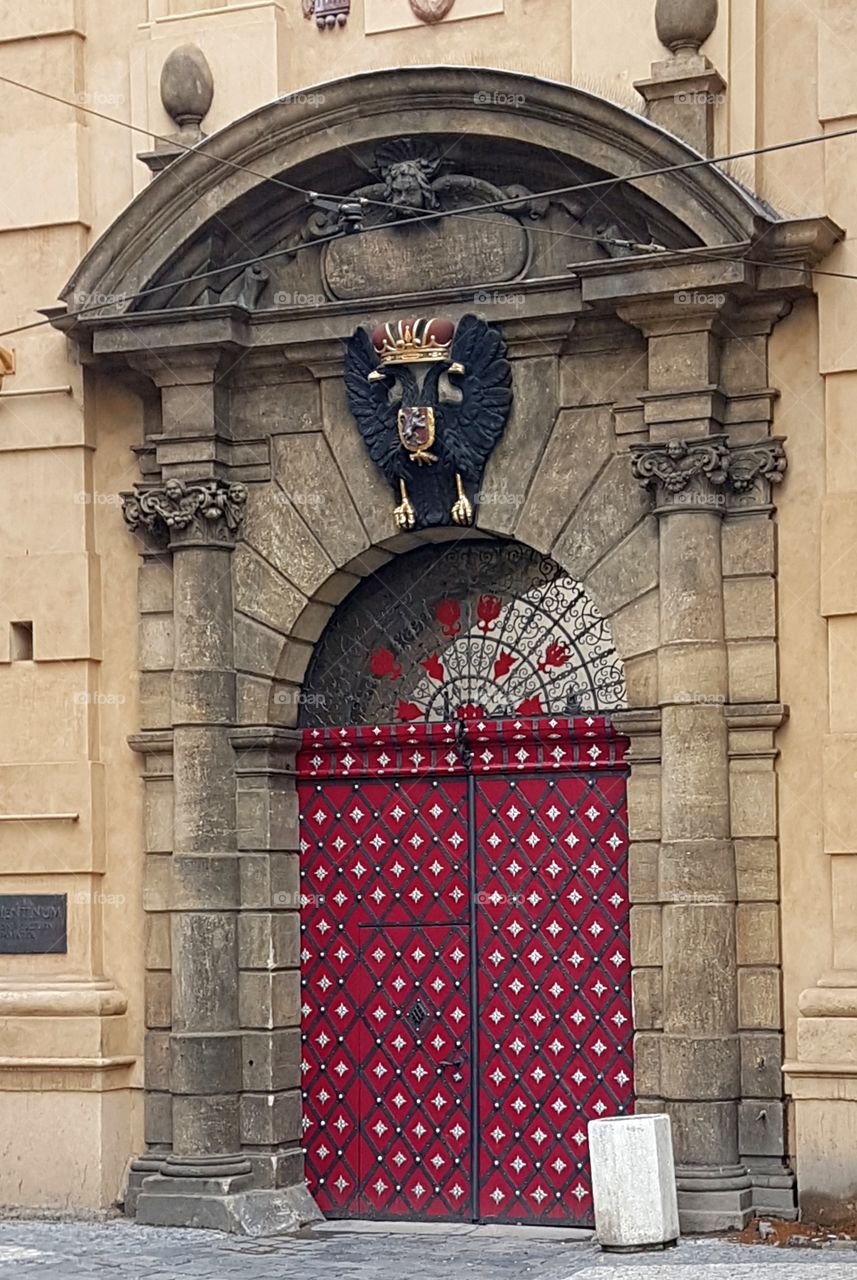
x=714, y=1198
x=773, y=1193
x=140, y=1169
x=218, y=1194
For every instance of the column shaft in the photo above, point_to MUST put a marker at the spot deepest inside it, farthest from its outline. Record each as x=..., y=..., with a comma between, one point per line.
x=205, y=1044
x=700, y=1059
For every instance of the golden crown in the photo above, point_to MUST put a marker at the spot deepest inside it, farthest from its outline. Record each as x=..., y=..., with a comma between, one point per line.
x=411, y=341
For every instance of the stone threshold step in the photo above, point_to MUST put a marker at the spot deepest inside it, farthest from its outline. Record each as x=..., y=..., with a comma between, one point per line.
x=350, y=1226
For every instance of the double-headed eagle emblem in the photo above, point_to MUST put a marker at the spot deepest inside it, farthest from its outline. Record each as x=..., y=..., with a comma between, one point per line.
x=431, y=400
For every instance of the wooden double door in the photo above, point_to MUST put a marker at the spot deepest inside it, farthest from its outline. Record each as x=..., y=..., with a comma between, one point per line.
x=466, y=973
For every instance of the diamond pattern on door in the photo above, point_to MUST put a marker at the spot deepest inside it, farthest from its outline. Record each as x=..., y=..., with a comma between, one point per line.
x=422, y=849
x=554, y=1002
x=415, y=1072
x=373, y=850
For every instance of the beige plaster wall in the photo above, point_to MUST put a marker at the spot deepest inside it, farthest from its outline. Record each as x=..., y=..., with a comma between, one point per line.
x=809, y=63
x=69, y=566
x=70, y=1025
x=805, y=873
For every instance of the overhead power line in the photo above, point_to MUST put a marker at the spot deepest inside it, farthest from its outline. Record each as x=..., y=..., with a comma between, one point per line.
x=471, y=212
x=698, y=162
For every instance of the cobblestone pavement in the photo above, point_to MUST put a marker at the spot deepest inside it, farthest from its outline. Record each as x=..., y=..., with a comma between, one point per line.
x=119, y=1250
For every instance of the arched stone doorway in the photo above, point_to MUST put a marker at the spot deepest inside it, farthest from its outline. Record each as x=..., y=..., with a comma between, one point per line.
x=465, y=948
x=638, y=456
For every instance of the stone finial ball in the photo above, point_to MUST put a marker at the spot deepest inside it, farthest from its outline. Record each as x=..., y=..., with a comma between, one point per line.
x=187, y=85
x=685, y=24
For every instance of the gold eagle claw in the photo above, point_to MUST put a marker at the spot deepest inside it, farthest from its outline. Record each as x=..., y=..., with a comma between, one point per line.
x=462, y=510
x=405, y=516
x=404, y=513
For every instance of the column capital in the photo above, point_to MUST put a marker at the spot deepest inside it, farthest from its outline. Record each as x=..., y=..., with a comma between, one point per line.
x=187, y=513
x=749, y=463
x=697, y=474
x=683, y=475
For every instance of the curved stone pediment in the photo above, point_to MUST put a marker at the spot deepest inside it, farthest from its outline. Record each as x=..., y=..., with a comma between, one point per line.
x=207, y=214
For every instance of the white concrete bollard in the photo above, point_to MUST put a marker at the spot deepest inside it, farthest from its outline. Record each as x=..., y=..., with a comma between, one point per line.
x=633, y=1182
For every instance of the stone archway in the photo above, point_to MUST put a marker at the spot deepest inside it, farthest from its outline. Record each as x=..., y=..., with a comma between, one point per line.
x=638, y=455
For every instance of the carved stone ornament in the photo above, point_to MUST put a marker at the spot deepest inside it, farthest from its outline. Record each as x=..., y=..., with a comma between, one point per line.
x=208, y=511
x=416, y=178
x=431, y=10
x=682, y=473
x=750, y=463
x=327, y=13
x=683, y=25
x=698, y=474
x=187, y=90
x=7, y=364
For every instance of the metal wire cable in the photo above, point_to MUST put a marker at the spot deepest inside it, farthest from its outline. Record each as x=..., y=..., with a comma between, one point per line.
x=473, y=212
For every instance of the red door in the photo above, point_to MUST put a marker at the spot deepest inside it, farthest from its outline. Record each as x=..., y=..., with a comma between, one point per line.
x=466, y=971
x=414, y=1067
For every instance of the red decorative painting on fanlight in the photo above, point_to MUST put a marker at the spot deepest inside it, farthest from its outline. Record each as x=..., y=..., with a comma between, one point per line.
x=491, y=659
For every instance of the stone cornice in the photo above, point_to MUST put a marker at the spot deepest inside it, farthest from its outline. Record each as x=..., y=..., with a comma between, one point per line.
x=642, y=727
x=697, y=475
x=665, y=292
x=756, y=715
x=156, y=747
x=802, y=241
x=187, y=513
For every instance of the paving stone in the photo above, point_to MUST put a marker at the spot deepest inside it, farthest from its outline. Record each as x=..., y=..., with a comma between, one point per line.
x=749, y=1269
x=37, y=1250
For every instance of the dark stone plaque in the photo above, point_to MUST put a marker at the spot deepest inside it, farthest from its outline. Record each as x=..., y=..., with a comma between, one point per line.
x=33, y=923
x=450, y=255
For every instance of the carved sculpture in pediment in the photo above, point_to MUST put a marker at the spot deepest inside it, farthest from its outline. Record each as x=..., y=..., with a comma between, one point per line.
x=437, y=224
x=413, y=179
x=411, y=182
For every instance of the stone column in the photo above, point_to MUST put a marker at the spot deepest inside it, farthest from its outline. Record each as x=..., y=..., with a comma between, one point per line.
x=233, y=1160
x=692, y=1060
x=199, y=1179
x=699, y=1049
x=686, y=468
